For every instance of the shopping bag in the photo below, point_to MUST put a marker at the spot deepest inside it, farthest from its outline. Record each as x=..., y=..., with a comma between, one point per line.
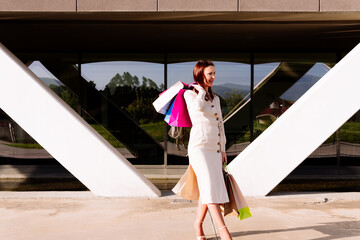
x=179, y=116
x=237, y=204
x=168, y=112
x=162, y=103
x=229, y=208
x=187, y=187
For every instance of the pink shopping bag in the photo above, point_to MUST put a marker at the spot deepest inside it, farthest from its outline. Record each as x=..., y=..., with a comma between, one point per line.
x=179, y=116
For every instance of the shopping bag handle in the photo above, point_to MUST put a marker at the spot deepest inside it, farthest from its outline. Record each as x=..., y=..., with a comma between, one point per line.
x=225, y=167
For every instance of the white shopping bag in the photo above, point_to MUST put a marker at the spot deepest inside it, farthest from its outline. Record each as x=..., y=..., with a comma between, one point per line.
x=162, y=103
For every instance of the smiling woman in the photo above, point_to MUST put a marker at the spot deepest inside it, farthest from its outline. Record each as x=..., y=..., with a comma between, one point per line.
x=231, y=86
x=207, y=146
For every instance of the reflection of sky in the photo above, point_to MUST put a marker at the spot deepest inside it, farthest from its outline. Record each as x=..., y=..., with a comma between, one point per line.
x=305, y=82
x=262, y=70
x=40, y=71
x=226, y=72
x=319, y=69
x=101, y=73
x=230, y=72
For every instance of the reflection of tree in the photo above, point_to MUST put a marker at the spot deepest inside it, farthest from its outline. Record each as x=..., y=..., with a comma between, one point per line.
x=230, y=100
x=70, y=99
x=136, y=99
x=68, y=96
x=141, y=110
x=92, y=83
x=126, y=79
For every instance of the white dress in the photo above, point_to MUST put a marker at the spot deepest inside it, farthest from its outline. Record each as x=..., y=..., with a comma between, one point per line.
x=207, y=141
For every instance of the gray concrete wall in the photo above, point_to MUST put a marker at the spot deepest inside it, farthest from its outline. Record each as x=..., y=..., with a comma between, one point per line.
x=198, y=5
x=117, y=5
x=179, y=5
x=279, y=5
x=38, y=5
x=340, y=5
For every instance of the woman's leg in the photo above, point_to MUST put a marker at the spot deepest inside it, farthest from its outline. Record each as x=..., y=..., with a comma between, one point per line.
x=200, y=216
x=219, y=220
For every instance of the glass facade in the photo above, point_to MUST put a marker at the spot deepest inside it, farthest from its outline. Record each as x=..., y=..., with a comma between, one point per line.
x=124, y=93
x=114, y=94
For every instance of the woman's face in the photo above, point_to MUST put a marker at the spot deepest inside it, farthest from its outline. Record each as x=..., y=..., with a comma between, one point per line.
x=209, y=73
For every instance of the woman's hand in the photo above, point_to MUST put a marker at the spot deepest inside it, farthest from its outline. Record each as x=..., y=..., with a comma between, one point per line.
x=223, y=157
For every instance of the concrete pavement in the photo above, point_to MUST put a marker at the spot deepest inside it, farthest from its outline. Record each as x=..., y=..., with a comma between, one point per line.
x=81, y=215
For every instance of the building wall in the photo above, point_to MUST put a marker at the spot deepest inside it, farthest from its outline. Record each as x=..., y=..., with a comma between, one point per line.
x=66, y=32
x=178, y=6
x=38, y=5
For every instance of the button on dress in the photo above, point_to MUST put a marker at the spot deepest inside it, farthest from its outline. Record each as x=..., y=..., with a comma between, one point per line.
x=207, y=141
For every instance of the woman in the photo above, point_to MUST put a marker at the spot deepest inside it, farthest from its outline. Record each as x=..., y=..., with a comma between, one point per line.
x=206, y=147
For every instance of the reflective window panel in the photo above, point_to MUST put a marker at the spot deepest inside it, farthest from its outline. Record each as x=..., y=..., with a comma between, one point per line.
x=119, y=95
x=289, y=78
x=17, y=146
x=349, y=143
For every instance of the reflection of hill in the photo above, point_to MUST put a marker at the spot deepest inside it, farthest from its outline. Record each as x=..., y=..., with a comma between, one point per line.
x=222, y=89
x=292, y=94
x=49, y=81
x=300, y=87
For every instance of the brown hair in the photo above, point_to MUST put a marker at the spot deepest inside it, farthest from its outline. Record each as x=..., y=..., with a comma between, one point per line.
x=199, y=76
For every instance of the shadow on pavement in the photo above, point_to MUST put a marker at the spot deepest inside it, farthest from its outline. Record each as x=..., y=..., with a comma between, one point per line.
x=333, y=230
